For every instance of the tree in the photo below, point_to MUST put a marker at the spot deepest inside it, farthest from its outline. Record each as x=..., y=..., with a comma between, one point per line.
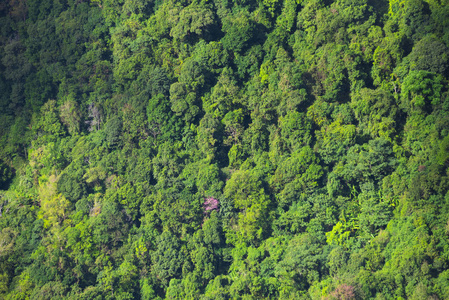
x=167, y=258
x=295, y=130
x=184, y=93
x=303, y=262
x=430, y=54
x=249, y=197
x=194, y=20
x=334, y=140
x=420, y=91
x=54, y=207
x=70, y=116
x=71, y=185
x=5, y=175
x=376, y=111
x=113, y=130
x=239, y=30
x=296, y=176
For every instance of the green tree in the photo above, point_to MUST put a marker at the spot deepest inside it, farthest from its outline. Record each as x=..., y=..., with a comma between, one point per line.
x=249, y=197
x=70, y=116
x=239, y=29
x=194, y=20
x=168, y=258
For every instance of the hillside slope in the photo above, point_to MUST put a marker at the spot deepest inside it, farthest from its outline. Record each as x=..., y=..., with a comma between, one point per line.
x=219, y=149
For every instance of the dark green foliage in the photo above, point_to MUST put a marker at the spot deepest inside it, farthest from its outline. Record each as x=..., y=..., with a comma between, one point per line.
x=113, y=129
x=159, y=82
x=303, y=262
x=168, y=258
x=371, y=162
x=162, y=122
x=71, y=186
x=430, y=54
x=224, y=149
x=5, y=175
x=239, y=29
x=39, y=89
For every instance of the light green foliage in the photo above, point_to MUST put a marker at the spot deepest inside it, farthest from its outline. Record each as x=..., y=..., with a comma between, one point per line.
x=245, y=190
x=54, y=207
x=49, y=125
x=376, y=112
x=216, y=289
x=286, y=21
x=129, y=195
x=335, y=139
x=70, y=116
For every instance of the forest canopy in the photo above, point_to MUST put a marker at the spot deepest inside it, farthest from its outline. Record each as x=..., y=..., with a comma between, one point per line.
x=218, y=149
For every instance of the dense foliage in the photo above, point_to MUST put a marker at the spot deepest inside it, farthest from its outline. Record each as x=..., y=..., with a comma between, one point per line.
x=219, y=149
